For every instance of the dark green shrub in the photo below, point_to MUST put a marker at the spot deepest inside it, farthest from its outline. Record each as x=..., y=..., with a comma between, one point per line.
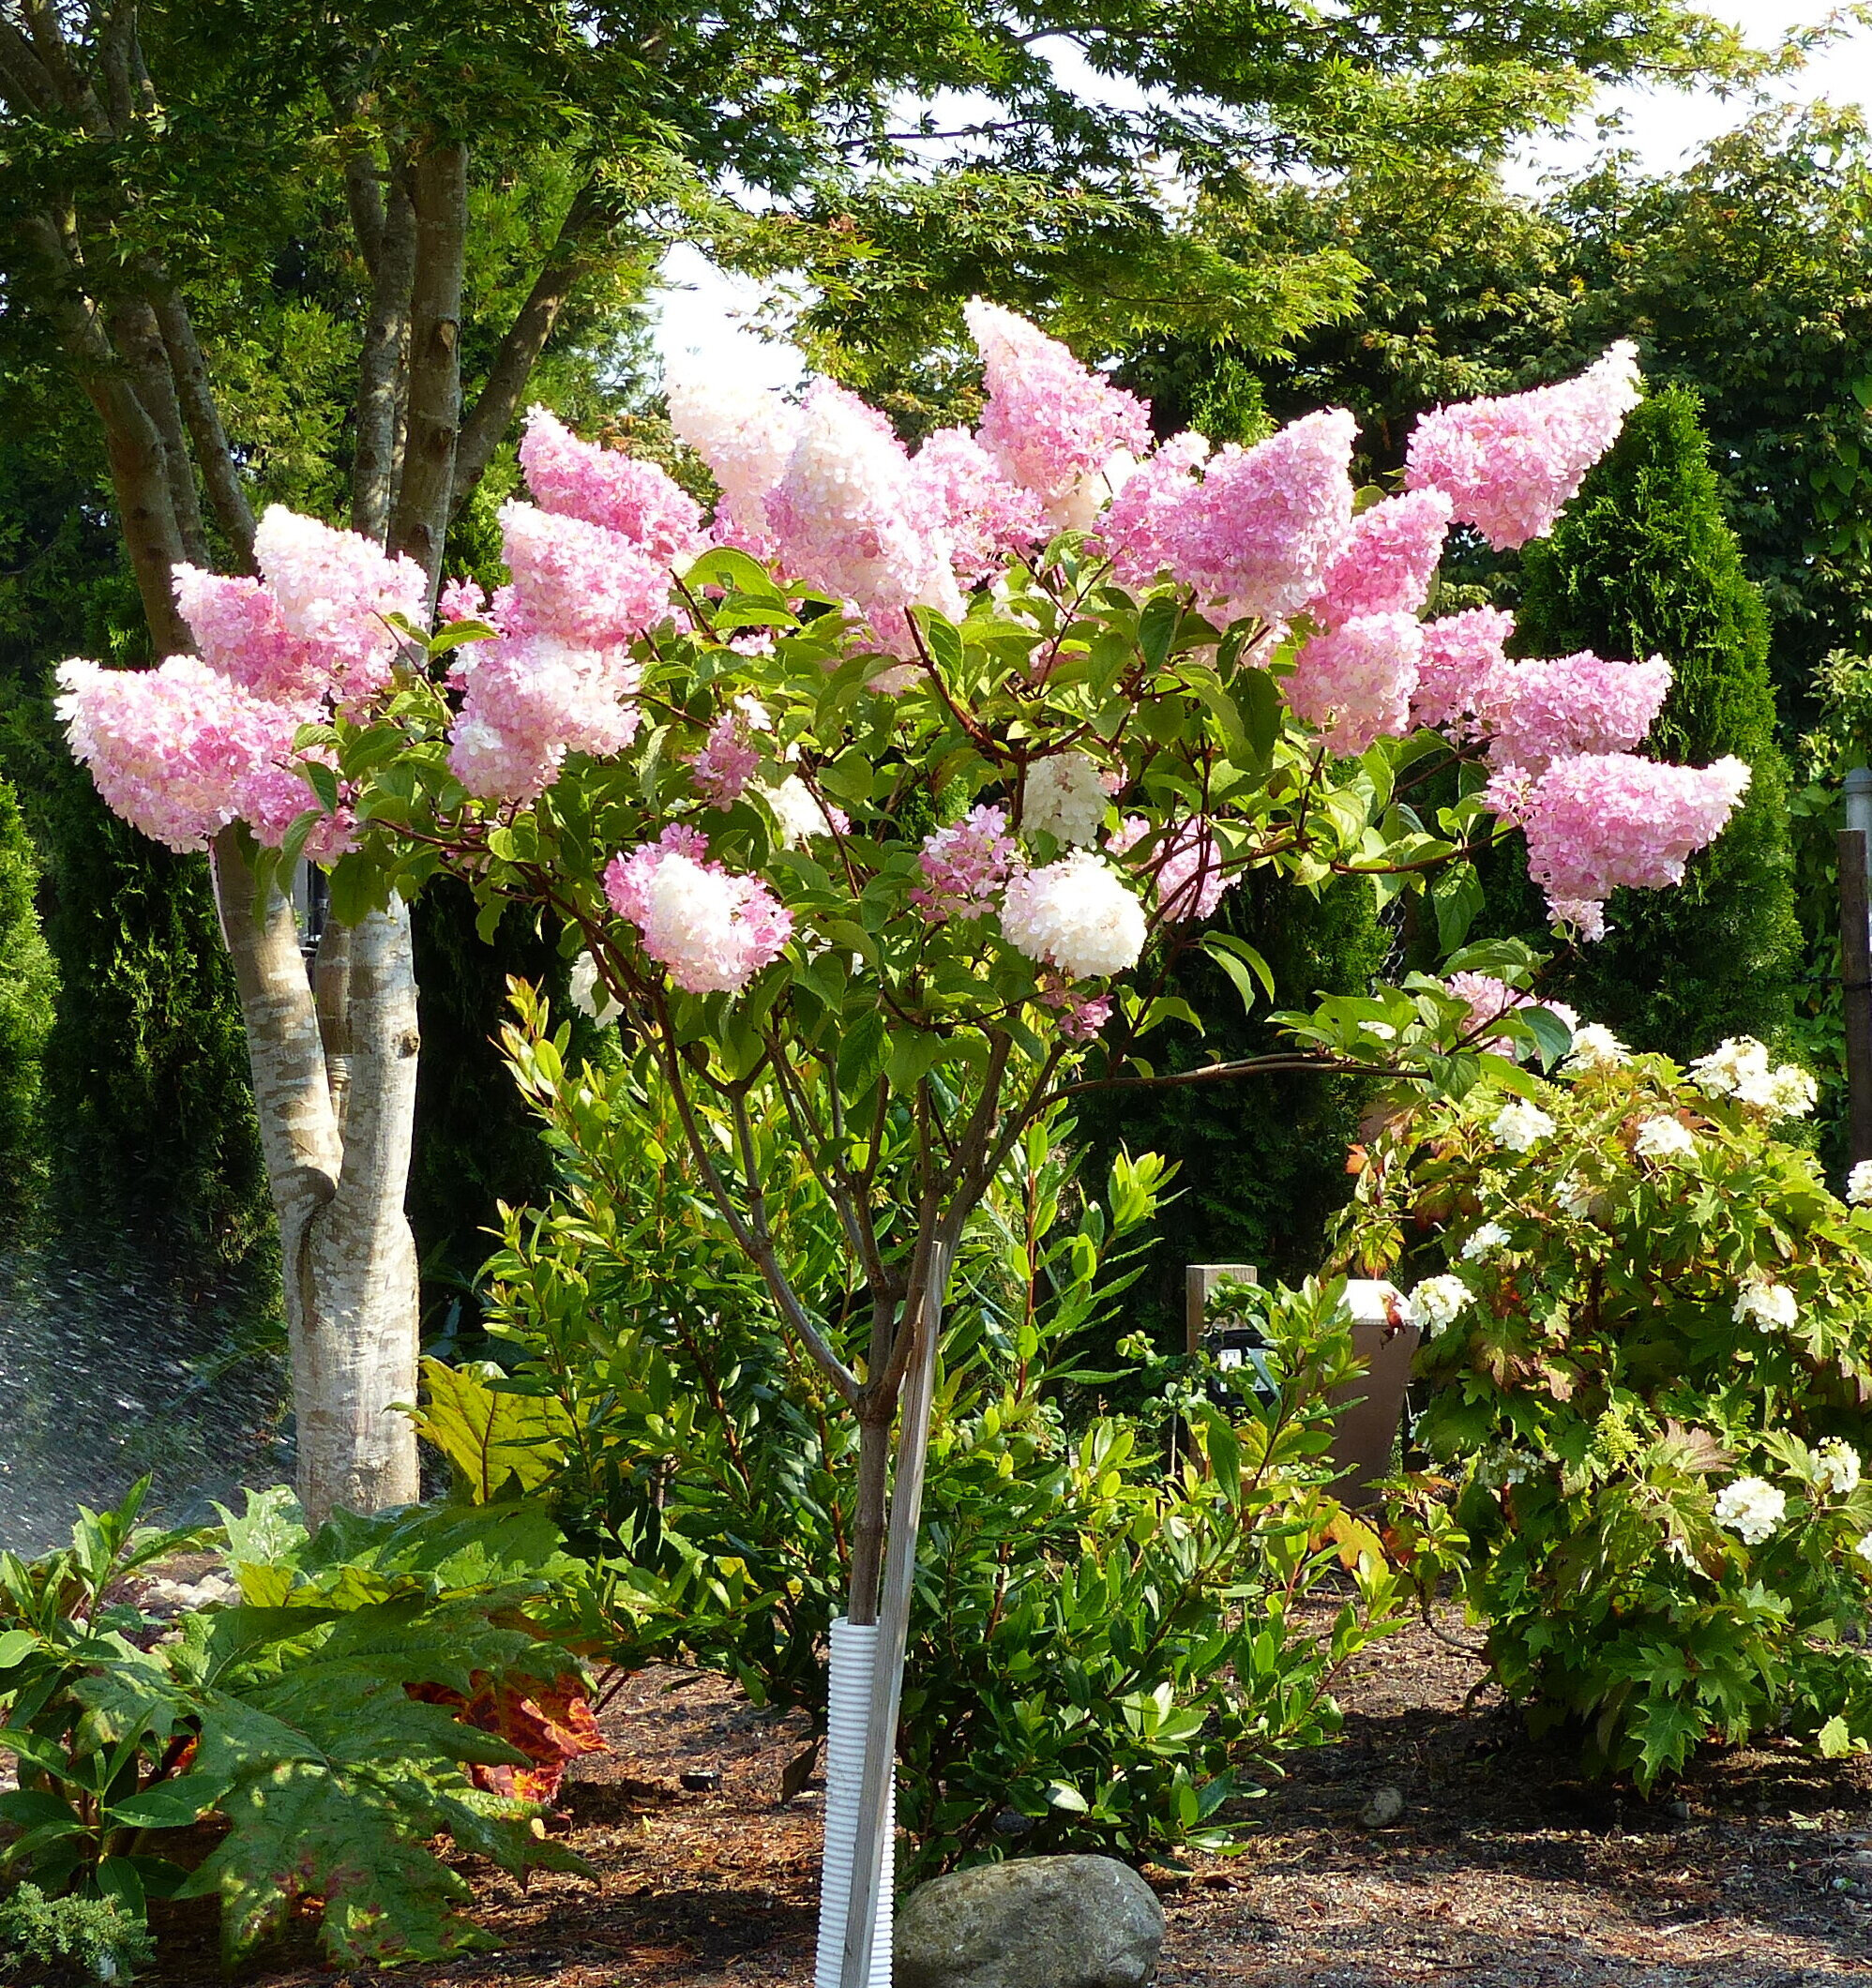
x=1641, y=562
x=45, y=1940
x=1104, y=1638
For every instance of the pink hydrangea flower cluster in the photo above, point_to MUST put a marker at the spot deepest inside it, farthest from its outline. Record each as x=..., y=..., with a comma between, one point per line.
x=1139, y=528
x=1053, y=425
x=744, y=435
x=727, y=761
x=532, y=699
x=1553, y=710
x=986, y=514
x=711, y=929
x=965, y=866
x=1459, y=667
x=1385, y=566
x=1354, y=681
x=1508, y=465
x=1488, y=1000
x=638, y=501
x=1191, y=880
x=845, y=518
x=1265, y=523
x=1082, y=1017
x=181, y=750
x=576, y=580
x=313, y=625
x=1605, y=820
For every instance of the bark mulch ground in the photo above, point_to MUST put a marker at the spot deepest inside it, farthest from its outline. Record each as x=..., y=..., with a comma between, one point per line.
x=1506, y=1868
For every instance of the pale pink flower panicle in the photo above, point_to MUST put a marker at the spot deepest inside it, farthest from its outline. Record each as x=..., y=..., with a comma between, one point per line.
x=1460, y=668
x=965, y=866
x=744, y=434
x=846, y=520
x=986, y=514
x=336, y=590
x=1265, y=522
x=711, y=929
x=1053, y=425
x=1386, y=565
x=578, y=582
x=532, y=699
x=1081, y=1016
x=182, y=750
x=1139, y=527
x=727, y=761
x=640, y=501
x=1602, y=820
x=1191, y=880
x=1508, y=465
x=1570, y=705
x=1354, y=681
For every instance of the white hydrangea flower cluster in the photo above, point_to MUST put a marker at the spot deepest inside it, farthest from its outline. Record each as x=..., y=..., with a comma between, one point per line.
x=797, y=811
x=1859, y=1185
x=1595, y=1048
x=1863, y=1549
x=1837, y=1465
x=590, y=995
x=1770, y=1305
x=1665, y=1138
x=1502, y=1463
x=1751, y=1508
x=1436, y=1303
x=1521, y=1126
x=1064, y=796
x=1075, y=914
x=1739, y=1068
x=1485, y=1241
x=1574, y=1196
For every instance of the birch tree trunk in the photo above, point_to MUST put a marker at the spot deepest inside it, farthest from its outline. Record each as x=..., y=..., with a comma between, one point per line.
x=334, y=1082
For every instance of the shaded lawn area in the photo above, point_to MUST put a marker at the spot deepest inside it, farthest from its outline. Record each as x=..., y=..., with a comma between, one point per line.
x=1506, y=1869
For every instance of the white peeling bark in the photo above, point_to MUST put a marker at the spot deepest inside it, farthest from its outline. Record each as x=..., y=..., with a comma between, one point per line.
x=336, y=1105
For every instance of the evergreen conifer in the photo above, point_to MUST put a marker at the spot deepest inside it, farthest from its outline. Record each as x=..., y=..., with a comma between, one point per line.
x=1643, y=564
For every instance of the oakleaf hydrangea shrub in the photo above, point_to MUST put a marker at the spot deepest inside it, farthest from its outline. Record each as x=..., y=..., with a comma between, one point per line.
x=1648, y=1344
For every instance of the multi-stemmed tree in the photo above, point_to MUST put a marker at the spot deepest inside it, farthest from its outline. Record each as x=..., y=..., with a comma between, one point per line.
x=892, y=789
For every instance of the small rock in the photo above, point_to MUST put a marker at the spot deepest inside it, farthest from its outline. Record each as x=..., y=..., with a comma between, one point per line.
x=1679, y=1811
x=1031, y=1923
x=1385, y=1806
x=1011, y=1822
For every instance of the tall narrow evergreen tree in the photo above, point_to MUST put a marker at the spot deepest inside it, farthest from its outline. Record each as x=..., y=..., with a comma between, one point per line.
x=1644, y=564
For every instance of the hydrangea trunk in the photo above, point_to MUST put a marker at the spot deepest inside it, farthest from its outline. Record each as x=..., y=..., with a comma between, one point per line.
x=334, y=1083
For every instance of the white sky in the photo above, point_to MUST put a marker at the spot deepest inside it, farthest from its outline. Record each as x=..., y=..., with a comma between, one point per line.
x=703, y=313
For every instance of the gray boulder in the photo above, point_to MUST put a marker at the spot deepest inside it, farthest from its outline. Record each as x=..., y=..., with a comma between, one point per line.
x=1031, y=1923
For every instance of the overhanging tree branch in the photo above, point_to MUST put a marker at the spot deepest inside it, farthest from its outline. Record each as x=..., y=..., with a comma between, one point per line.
x=573, y=253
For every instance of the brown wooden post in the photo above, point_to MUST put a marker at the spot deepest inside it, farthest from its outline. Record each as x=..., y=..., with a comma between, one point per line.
x=1855, y=974
x=1199, y=1281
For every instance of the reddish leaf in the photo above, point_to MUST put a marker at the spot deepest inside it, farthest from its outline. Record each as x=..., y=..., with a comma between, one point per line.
x=550, y=1723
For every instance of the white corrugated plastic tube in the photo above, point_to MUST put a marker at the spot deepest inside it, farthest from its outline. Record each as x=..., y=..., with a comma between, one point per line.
x=853, y=1671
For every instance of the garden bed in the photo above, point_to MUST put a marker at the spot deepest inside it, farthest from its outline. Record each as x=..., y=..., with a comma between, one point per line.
x=1505, y=1870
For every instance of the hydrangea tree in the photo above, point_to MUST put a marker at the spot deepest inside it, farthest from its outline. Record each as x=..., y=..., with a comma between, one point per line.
x=892, y=787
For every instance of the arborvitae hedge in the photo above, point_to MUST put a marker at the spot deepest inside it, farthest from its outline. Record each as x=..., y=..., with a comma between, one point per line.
x=27, y=983
x=1642, y=564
